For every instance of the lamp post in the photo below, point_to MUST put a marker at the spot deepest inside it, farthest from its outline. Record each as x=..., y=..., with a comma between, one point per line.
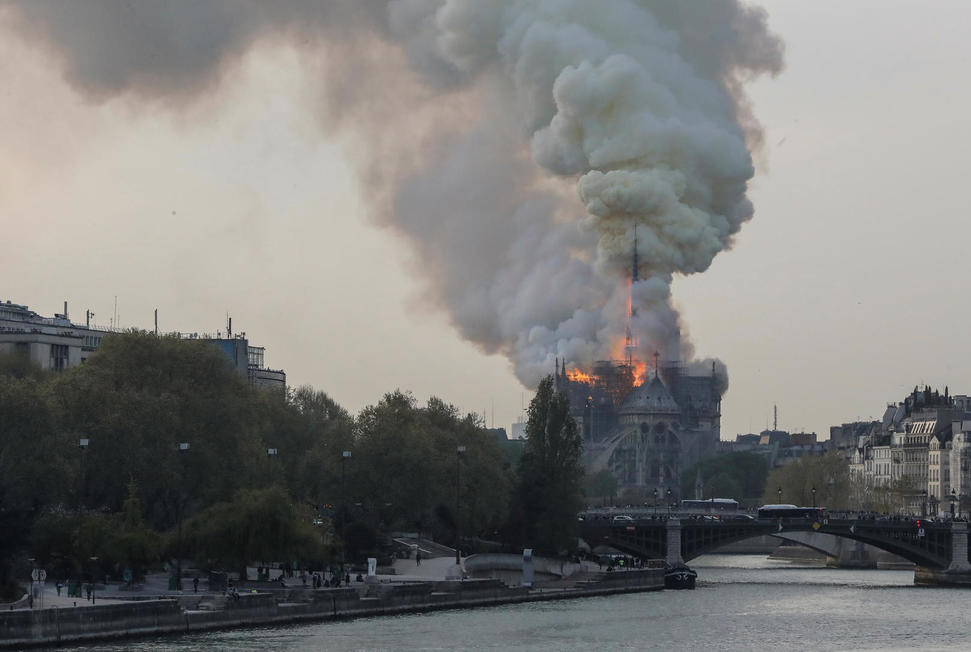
x=655, y=502
x=669, y=499
x=779, y=491
x=83, y=444
x=813, y=490
x=459, y=451
x=345, y=455
x=183, y=449
x=953, y=498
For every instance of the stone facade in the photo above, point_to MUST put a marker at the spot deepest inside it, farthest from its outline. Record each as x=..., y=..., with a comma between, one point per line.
x=645, y=435
x=56, y=343
x=919, y=449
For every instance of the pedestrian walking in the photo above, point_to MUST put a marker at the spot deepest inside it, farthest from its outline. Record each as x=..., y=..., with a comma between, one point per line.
x=195, y=584
x=418, y=557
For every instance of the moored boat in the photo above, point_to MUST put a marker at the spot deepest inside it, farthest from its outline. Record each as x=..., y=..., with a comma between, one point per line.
x=679, y=576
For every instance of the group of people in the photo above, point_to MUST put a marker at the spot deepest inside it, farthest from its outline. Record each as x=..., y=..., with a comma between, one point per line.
x=76, y=589
x=619, y=562
x=321, y=582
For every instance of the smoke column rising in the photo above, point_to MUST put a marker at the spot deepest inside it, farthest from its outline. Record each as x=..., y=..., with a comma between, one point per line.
x=476, y=127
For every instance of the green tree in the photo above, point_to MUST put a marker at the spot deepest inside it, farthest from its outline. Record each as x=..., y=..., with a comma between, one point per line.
x=310, y=431
x=735, y=475
x=829, y=474
x=34, y=473
x=141, y=395
x=404, y=469
x=256, y=525
x=550, y=473
x=600, y=486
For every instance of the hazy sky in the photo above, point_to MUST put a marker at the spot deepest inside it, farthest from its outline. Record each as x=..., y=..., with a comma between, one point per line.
x=844, y=291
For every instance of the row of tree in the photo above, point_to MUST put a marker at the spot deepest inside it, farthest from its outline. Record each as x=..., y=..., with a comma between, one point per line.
x=135, y=494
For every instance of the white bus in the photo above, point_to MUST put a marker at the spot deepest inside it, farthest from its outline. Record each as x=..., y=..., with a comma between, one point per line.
x=710, y=506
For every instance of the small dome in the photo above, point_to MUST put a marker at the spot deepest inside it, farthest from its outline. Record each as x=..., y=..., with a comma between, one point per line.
x=650, y=398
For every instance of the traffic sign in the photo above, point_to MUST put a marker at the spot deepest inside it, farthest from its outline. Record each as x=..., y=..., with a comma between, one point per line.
x=38, y=574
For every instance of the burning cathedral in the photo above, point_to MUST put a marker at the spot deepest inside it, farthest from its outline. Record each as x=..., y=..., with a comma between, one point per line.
x=644, y=425
x=645, y=431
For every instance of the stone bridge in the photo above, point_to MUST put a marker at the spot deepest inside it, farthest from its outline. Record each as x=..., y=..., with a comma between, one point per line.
x=938, y=549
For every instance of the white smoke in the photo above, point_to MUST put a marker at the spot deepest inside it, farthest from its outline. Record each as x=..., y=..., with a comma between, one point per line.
x=475, y=118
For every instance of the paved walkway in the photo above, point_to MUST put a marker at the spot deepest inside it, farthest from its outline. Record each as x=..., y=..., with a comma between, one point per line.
x=407, y=570
x=156, y=585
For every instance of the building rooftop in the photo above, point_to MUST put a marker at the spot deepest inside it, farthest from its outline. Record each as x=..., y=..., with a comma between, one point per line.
x=650, y=397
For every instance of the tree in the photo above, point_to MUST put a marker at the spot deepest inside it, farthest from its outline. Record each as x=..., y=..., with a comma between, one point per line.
x=404, y=469
x=601, y=485
x=256, y=525
x=33, y=471
x=734, y=475
x=141, y=395
x=828, y=474
x=550, y=473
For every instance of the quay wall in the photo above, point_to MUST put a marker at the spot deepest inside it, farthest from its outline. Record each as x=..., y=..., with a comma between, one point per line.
x=43, y=627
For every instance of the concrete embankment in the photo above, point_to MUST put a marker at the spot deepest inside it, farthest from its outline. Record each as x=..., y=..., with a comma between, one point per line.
x=36, y=627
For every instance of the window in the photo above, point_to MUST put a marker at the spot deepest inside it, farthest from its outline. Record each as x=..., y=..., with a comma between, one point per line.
x=59, y=357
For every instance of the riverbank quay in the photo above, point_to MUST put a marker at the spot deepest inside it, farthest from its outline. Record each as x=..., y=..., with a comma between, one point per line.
x=26, y=628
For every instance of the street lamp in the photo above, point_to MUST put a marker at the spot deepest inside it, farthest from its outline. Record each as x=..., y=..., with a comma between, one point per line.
x=83, y=444
x=779, y=491
x=183, y=448
x=345, y=455
x=953, y=498
x=655, y=502
x=669, y=500
x=813, y=490
x=459, y=451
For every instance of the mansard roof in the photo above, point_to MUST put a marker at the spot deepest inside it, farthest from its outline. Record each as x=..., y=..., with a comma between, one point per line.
x=650, y=398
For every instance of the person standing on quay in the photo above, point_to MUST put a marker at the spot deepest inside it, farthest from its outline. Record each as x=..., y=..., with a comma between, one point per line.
x=418, y=557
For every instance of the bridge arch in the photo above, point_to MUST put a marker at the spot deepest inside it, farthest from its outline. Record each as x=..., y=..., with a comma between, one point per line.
x=930, y=546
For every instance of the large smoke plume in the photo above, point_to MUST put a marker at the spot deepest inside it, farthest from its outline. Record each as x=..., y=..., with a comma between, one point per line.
x=477, y=124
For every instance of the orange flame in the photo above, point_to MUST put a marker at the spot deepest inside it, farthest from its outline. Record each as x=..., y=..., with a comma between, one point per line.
x=578, y=376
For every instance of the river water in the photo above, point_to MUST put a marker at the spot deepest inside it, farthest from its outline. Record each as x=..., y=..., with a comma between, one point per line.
x=742, y=602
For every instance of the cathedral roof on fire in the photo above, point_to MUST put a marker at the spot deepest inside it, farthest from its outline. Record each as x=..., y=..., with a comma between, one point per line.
x=650, y=398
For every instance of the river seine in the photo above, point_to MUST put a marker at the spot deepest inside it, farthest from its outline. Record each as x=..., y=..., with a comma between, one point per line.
x=741, y=603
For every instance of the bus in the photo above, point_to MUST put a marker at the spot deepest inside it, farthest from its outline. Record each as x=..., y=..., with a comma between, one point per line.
x=710, y=506
x=789, y=511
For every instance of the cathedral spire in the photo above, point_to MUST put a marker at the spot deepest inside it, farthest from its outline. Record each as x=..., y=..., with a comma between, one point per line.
x=630, y=343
